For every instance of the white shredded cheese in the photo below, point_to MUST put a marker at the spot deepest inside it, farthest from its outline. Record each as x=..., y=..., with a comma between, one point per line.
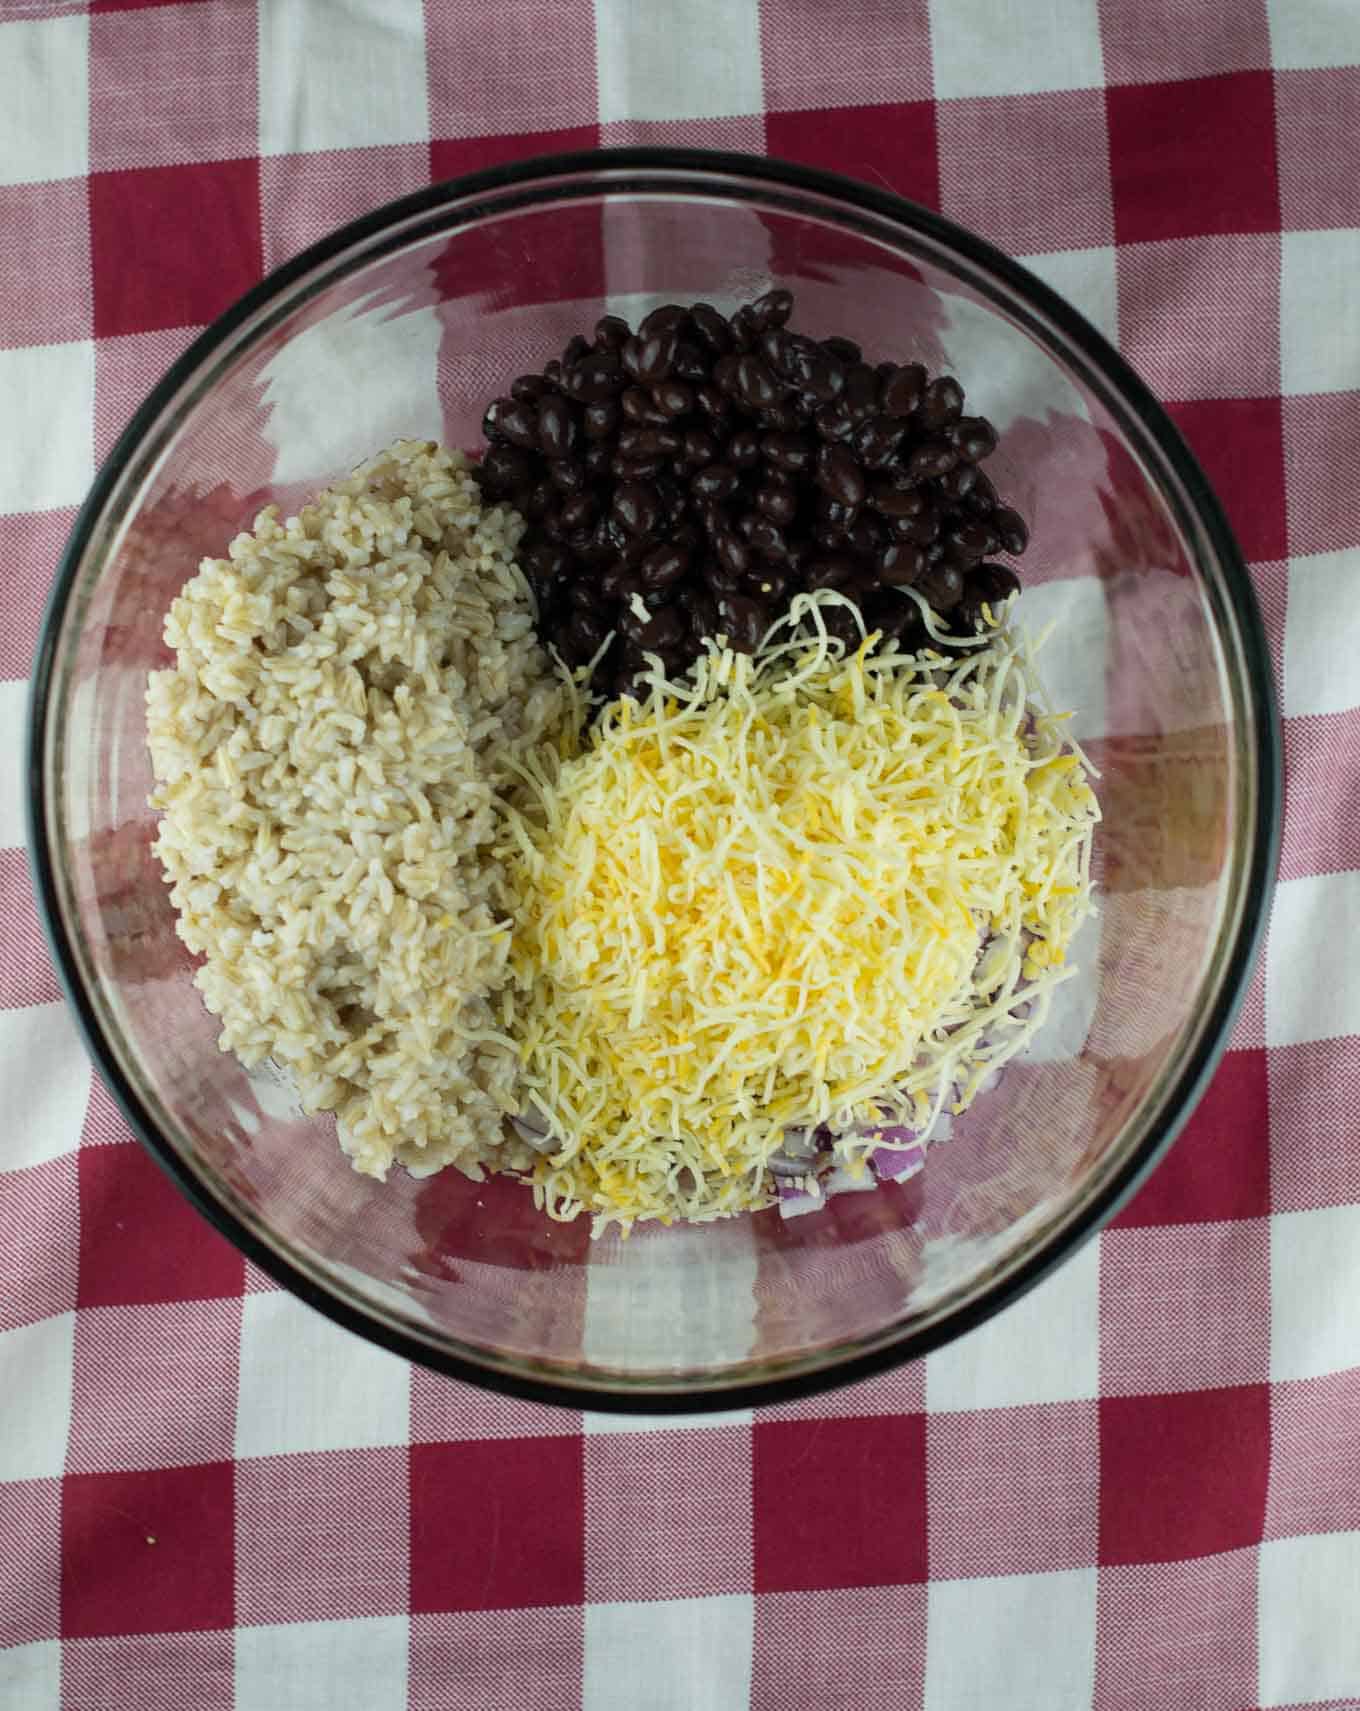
x=811, y=889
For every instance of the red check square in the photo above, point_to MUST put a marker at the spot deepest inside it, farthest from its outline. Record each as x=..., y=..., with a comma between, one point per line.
x=876, y=1467
x=1013, y=1490
x=1220, y=1166
x=37, y=1256
x=1319, y=188
x=1315, y=1456
x=861, y=1647
x=520, y=1537
x=30, y=1578
x=148, y=1387
x=1314, y=1119
x=147, y=1553
x=1324, y=496
x=141, y=1240
x=30, y=545
x=698, y=1487
x=892, y=147
x=322, y=1536
x=173, y=84
x=988, y=150
x=149, y=1672
x=26, y=972
x=1176, y=300
x=1183, y=1476
x=1167, y=1320
x=451, y=157
x=1240, y=444
x=470, y=1661
x=1188, y=1626
x=51, y=222
x=173, y=246
x=1157, y=39
x=1192, y=157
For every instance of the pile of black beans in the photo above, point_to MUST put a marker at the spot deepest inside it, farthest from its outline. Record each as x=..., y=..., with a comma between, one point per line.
x=707, y=468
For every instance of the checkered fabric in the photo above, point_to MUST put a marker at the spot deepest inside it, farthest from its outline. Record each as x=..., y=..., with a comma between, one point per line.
x=1138, y=1488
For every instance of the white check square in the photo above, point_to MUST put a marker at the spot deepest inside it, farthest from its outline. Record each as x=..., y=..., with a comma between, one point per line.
x=1320, y=33
x=701, y=61
x=1319, y=306
x=337, y=74
x=46, y=425
x=314, y=1666
x=1044, y=1348
x=37, y=1365
x=1088, y=279
x=1055, y=46
x=30, y=1676
x=1308, y=1591
x=1025, y=1641
x=1314, y=1286
x=45, y=1105
x=675, y=1654
x=1322, y=635
x=44, y=100
x=1312, y=975
x=306, y=1384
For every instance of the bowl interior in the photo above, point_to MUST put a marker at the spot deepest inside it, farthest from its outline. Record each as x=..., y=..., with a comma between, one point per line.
x=409, y=331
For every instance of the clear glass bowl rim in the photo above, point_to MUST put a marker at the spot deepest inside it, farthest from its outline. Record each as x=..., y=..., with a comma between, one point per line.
x=540, y=181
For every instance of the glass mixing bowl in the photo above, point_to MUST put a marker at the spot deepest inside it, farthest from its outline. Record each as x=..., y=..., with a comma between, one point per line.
x=405, y=324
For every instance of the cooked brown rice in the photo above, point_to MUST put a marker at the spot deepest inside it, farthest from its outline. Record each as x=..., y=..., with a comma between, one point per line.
x=350, y=687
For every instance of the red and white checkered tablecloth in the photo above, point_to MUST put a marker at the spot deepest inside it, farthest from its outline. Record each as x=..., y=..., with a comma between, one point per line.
x=1138, y=1488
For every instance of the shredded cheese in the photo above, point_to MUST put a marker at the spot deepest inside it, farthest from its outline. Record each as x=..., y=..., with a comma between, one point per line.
x=817, y=888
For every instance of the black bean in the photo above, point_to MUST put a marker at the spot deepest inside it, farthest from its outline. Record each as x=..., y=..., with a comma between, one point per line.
x=899, y=391
x=637, y=405
x=974, y=437
x=876, y=439
x=755, y=382
x=767, y=538
x=556, y=426
x=711, y=400
x=790, y=452
x=923, y=528
x=579, y=511
x=611, y=332
x=894, y=501
x=552, y=374
x=777, y=503
x=769, y=583
x=745, y=330
x=711, y=327
x=969, y=541
x=722, y=580
x=745, y=621
x=941, y=403
x=981, y=499
x=598, y=457
x=942, y=586
x=841, y=626
x=690, y=361
x=834, y=421
x=781, y=418
x=649, y=442
x=635, y=507
x=1010, y=525
x=655, y=356
x=598, y=375
x=732, y=552
x=541, y=496
x=663, y=567
x=831, y=570
x=725, y=375
x=931, y=457
x=505, y=468
x=667, y=316
x=552, y=525
x=844, y=350
x=958, y=482
x=714, y=481
x=743, y=449
x=861, y=391
x=638, y=469
x=574, y=349
x=773, y=309
x=673, y=398
x=518, y=423
x=600, y=418
x=839, y=475
x=699, y=447
x=568, y=475
x=865, y=535
x=900, y=563
x=994, y=582
x=528, y=388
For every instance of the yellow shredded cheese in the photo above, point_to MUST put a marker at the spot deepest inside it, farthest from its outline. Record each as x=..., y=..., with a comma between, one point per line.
x=821, y=887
